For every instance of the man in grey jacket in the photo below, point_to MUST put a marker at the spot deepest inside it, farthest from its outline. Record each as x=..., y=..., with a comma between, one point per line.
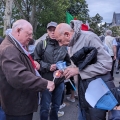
x=77, y=39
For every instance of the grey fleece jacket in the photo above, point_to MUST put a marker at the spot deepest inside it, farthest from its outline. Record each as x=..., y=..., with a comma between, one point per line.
x=89, y=39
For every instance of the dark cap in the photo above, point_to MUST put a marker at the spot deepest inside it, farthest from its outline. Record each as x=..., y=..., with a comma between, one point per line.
x=51, y=24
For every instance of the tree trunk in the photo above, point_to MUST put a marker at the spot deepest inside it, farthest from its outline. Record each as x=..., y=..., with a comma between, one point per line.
x=7, y=16
x=33, y=19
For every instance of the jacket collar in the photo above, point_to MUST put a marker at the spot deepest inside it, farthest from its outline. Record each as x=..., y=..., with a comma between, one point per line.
x=15, y=43
x=52, y=41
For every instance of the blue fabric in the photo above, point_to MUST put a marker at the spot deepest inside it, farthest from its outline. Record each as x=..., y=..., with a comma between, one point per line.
x=55, y=99
x=2, y=114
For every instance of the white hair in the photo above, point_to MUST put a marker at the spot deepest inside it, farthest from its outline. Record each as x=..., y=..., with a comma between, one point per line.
x=108, y=32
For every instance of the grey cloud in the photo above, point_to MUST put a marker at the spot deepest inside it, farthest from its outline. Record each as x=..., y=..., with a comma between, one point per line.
x=105, y=8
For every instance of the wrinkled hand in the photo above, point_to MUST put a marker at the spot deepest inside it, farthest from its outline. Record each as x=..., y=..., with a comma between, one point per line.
x=37, y=65
x=50, y=85
x=53, y=67
x=70, y=71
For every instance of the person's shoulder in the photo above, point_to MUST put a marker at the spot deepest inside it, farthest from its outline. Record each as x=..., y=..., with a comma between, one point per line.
x=39, y=43
x=109, y=37
x=89, y=35
x=8, y=49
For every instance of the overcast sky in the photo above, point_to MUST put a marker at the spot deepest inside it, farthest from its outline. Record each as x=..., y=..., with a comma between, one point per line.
x=105, y=8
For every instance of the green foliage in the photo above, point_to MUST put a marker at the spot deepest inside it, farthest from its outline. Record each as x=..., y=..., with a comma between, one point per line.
x=47, y=10
x=94, y=21
x=53, y=11
x=115, y=31
x=2, y=8
x=41, y=12
x=1, y=32
x=79, y=9
x=44, y=12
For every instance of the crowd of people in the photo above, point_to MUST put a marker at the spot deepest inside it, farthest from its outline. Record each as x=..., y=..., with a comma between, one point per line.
x=27, y=71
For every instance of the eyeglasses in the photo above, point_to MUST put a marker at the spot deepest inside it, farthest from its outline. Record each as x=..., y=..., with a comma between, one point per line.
x=28, y=34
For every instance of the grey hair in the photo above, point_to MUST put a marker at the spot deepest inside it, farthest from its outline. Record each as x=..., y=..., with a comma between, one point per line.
x=20, y=23
x=16, y=25
x=108, y=32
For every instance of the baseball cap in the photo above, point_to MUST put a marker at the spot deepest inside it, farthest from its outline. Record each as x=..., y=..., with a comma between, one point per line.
x=51, y=24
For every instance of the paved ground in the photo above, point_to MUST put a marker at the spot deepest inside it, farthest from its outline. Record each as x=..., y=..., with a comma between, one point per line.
x=71, y=110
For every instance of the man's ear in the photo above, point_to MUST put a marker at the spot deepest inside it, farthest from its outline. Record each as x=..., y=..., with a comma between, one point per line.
x=18, y=30
x=66, y=34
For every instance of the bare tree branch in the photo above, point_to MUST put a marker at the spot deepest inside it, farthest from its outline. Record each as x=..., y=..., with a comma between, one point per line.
x=19, y=8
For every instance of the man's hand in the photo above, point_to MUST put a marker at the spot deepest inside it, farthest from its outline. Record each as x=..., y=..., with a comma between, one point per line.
x=50, y=85
x=37, y=65
x=70, y=71
x=53, y=67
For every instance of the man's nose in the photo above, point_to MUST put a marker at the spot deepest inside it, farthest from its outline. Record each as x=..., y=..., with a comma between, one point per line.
x=53, y=32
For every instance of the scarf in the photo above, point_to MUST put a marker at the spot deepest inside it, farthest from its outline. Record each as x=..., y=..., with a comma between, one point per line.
x=75, y=25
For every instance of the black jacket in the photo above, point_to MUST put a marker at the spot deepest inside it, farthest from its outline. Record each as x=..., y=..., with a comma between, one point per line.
x=84, y=57
x=50, y=55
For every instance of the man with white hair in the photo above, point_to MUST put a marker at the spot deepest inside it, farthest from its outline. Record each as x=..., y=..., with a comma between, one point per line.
x=111, y=44
x=19, y=79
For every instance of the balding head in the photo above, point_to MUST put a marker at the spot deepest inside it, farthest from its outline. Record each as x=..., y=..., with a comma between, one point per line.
x=63, y=27
x=22, y=30
x=63, y=34
x=21, y=24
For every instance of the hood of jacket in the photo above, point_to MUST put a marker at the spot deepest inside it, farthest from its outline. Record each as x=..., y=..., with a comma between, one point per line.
x=76, y=26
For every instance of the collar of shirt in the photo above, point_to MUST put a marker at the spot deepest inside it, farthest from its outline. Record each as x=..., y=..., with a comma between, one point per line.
x=37, y=74
x=25, y=51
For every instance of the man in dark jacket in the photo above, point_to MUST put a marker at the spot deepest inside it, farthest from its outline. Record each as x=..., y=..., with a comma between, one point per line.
x=48, y=53
x=19, y=81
